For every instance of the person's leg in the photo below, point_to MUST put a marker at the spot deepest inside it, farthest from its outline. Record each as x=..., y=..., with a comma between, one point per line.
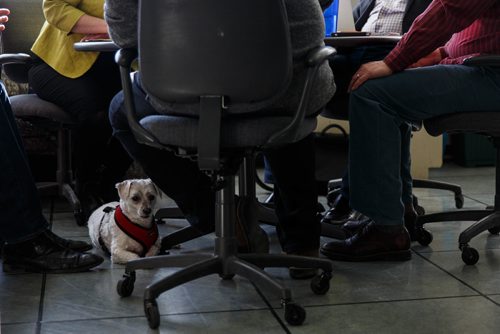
x=179, y=178
x=344, y=65
x=30, y=246
x=378, y=108
x=21, y=217
x=295, y=190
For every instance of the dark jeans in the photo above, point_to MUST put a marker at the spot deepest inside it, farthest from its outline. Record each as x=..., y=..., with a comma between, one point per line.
x=180, y=179
x=21, y=216
x=344, y=65
x=87, y=98
x=380, y=106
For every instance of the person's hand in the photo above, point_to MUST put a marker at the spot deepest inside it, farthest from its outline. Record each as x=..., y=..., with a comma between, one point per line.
x=371, y=70
x=3, y=17
x=432, y=58
x=95, y=37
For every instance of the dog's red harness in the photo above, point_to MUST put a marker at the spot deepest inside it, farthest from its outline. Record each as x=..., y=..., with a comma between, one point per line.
x=145, y=236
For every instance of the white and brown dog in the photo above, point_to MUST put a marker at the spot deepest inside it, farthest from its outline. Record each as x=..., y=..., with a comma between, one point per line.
x=126, y=230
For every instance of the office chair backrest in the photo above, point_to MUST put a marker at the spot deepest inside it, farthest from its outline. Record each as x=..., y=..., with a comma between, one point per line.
x=25, y=21
x=234, y=48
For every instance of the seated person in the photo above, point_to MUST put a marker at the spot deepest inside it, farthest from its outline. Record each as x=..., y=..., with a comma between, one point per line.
x=378, y=17
x=29, y=243
x=82, y=84
x=296, y=197
x=386, y=94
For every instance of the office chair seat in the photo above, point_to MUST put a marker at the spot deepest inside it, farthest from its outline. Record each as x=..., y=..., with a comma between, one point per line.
x=31, y=106
x=236, y=132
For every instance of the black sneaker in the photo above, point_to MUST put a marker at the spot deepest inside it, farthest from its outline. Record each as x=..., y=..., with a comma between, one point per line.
x=45, y=254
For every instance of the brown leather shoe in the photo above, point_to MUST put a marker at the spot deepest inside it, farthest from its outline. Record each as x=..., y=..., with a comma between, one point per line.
x=371, y=244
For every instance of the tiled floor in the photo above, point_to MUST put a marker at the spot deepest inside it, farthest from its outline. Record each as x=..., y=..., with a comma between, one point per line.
x=433, y=293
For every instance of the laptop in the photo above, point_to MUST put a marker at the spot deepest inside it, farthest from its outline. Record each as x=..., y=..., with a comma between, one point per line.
x=345, y=20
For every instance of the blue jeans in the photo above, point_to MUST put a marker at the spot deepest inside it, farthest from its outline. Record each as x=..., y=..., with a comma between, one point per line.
x=344, y=65
x=295, y=186
x=380, y=106
x=21, y=216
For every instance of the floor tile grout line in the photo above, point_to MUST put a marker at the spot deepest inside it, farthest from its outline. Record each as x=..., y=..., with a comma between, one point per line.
x=271, y=309
x=40, y=305
x=458, y=279
x=389, y=301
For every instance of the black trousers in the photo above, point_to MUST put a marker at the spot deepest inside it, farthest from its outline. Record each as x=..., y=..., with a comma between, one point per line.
x=97, y=157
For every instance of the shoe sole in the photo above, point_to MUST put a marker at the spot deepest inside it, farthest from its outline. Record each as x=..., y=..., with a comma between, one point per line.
x=384, y=256
x=19, y=269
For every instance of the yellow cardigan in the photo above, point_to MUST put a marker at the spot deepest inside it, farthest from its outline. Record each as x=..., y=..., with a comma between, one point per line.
x=55, y=43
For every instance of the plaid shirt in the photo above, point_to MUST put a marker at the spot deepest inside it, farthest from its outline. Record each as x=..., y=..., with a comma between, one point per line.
x=464, y=28
x=386, y=17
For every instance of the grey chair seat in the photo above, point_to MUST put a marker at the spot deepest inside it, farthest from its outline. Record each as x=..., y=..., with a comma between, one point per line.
x=31, y=106
x=483, y=122
x=235, y=132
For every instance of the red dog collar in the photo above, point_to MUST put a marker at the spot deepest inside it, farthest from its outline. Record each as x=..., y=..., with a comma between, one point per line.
x=145, y=236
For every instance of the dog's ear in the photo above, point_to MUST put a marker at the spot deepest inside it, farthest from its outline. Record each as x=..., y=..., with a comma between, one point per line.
x=123, y=188
x=158, y=191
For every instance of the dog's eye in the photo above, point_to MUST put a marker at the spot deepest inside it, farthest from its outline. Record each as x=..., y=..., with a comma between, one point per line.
x=135, y=198
x=151, y=197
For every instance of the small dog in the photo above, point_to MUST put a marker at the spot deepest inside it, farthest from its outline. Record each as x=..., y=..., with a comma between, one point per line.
x=126, y=230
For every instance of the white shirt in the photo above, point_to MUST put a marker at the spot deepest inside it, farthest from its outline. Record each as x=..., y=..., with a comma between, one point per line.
x=386, y=17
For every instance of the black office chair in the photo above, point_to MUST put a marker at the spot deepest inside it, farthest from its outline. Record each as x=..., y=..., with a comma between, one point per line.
x=245, y=58
x=26, y=20
x=484, y=123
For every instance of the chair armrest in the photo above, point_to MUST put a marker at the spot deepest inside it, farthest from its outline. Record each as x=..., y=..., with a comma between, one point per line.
x=313, y=61
x=15, y=58
x=483, y=60
x=16, y=66
x=124, y=58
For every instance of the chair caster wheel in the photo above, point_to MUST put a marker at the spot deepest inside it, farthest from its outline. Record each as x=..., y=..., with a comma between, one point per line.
x=494, y=230
x=125, y=286
x=424, y=237
x=459, y=201
x=320, y=284
x=470, y=256
x=294, y=314
x=152, y=314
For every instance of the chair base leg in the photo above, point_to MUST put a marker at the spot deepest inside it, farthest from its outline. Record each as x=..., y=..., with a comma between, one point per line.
x=490, y=222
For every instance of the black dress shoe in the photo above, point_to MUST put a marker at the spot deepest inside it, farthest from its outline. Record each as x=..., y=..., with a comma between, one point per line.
x=371, y=243
x=351, y=227
x=44, y=254
x=75, y=245
x=339, y=212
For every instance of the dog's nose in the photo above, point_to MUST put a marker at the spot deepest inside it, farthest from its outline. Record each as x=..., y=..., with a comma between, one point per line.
x=146, y=211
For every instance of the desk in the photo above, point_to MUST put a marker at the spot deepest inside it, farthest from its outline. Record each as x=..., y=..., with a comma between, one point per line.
x=101, y=46
x=353, y=41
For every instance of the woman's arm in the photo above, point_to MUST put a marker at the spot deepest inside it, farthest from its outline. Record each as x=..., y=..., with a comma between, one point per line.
x=66, y=16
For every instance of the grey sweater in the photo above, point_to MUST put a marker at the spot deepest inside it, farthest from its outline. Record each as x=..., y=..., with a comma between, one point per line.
x=306, y=30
